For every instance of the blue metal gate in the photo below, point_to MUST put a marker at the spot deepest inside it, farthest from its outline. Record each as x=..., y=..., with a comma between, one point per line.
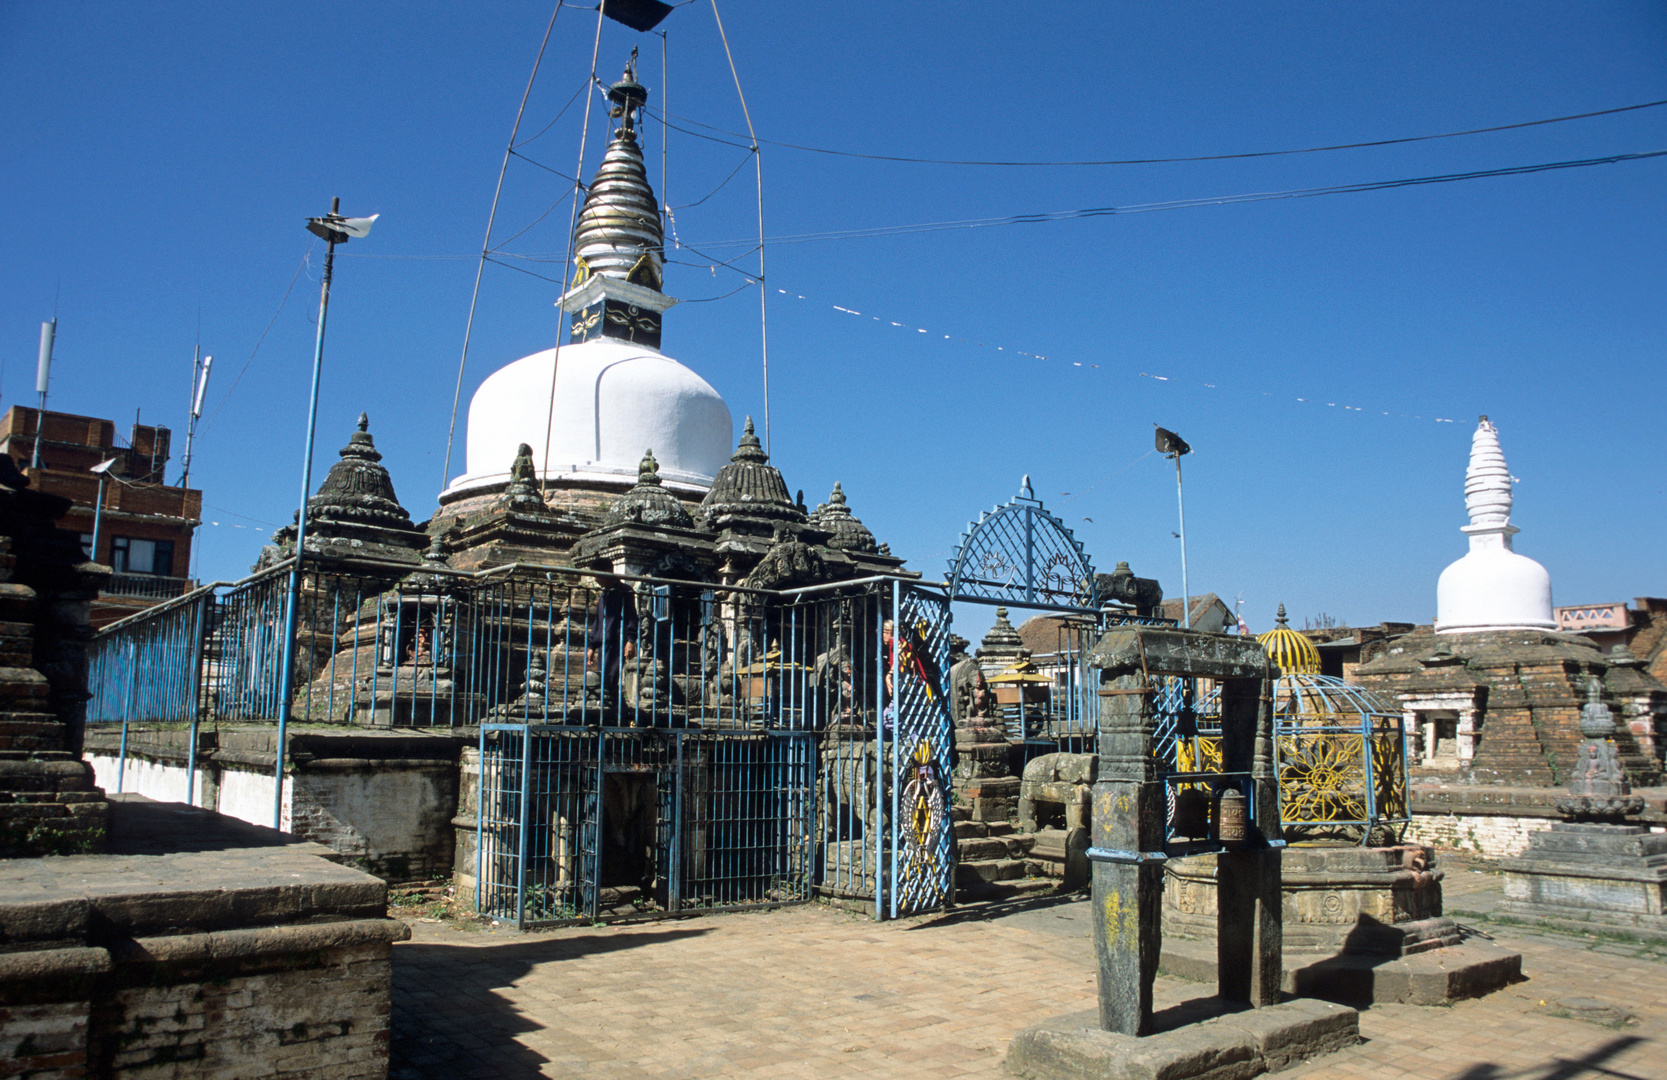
x=921, y=749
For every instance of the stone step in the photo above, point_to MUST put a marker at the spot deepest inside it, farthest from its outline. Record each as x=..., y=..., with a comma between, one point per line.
x=1015, y=889
x=966, y=830
x=46, y=734
x=989, y=870
x=974, y=849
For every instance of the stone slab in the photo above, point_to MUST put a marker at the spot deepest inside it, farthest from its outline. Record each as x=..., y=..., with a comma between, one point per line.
x=1203, y=1039
x=232, y=876
x=1437, y=977
x=1585, y=920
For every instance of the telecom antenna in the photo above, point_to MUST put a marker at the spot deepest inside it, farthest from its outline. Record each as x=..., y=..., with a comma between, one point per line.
x=43, y=375
x=199, y=387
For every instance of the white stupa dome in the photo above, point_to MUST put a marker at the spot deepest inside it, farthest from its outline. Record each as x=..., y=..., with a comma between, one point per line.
x=612, y=401
x=1492, y=587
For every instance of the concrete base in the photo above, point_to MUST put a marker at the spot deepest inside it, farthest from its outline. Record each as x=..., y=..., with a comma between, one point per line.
x=1205, y=1038
x=1438, y=977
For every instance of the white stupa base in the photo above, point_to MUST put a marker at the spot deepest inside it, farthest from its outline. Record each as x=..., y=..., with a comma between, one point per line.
x=468, y=485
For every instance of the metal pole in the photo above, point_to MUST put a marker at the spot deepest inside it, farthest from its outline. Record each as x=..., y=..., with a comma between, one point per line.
x=286, y=674
x=195, y=681
x=1186, y=597
x=127, y=711
x=98, y=518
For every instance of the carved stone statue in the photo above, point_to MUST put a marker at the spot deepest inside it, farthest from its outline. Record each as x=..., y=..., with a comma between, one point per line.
x=1598, y=788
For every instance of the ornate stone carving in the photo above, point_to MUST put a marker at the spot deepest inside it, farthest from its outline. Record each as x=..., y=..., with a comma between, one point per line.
x=1598, y=790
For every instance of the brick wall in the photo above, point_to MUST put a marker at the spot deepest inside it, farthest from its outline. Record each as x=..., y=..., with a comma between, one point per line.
x=248, y=962
x=295, y=1011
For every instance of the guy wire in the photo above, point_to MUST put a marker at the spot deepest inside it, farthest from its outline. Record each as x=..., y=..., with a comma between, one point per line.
x=758, y=166
x=486, y=244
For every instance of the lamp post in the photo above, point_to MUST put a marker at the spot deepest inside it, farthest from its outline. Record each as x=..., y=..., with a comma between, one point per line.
x=103, y=471
x=1171, y=445
x=333, y=229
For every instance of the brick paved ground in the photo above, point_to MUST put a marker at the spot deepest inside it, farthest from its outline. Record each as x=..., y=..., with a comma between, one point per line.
x=812, y=991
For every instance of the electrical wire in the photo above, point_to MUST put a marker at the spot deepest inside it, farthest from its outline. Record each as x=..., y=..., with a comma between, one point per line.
x=1180, y=204
x=722, y=184
x=202, y=432
x=541, y=131
x=1169, y=160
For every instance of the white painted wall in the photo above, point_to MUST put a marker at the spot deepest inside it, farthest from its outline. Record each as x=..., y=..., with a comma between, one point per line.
x=247, y=796
x=164, y=783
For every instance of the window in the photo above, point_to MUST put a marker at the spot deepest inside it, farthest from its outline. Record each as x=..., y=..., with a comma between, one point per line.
x=86, y=545
x=130, y=555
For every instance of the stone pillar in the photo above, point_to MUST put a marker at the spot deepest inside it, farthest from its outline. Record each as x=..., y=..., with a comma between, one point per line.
x=1129, y=811
x=1423, y=742
x=1465, y=731
x=1250, y=931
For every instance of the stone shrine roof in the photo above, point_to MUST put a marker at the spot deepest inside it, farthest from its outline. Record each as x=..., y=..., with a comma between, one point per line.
x=749, y=492
x=845, y=532
x=648, y=503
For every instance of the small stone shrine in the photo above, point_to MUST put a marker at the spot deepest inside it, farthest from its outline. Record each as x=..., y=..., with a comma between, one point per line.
x=1132, y=842
x=1493, y=693
x=1593, y=869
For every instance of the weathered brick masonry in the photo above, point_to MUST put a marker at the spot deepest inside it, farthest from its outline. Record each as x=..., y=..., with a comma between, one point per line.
x=260, y=962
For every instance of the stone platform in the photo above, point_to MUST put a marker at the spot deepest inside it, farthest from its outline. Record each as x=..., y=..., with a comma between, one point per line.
x=1205, y=1038
x=1435, y=977
x=213, y=948
x=1586, y=876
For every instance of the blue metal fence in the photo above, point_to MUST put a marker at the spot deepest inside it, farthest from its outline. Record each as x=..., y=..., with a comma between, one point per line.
x=645, y=746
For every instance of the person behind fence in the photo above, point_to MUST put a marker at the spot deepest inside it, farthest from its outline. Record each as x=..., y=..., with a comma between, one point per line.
x=611, y=641
x=912, y=660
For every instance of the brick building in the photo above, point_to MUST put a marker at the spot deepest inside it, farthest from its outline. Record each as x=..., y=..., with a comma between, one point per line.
x=145, y=527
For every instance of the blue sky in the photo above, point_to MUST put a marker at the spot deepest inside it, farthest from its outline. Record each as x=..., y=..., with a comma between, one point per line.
x=161, y=157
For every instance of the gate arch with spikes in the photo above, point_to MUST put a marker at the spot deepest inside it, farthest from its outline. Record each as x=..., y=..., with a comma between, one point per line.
x=1020, y=553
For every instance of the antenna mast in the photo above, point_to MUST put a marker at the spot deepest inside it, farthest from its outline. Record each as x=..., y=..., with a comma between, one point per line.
x=43, y=375
x=199, y=387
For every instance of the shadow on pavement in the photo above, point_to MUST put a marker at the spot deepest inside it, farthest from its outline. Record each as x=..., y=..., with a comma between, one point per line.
x=1587, y=1065
x=990, y=911
x=449, y=1021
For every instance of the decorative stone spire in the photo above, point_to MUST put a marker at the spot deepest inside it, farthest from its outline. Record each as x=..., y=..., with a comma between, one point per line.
x=1492, y=587
x=619, y=240
x=1487, y=483
x=749, y=494
x=648, y=503
x=1001, y=647
x=521, y=494
x=357, y=489
x=847, y=533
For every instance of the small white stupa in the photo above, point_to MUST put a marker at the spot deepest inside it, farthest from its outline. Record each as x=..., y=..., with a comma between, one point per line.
x=1492, y=587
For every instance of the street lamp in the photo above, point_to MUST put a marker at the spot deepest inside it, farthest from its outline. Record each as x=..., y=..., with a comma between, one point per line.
x=103, y=471
x=1171, y=445
x=333, y=229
